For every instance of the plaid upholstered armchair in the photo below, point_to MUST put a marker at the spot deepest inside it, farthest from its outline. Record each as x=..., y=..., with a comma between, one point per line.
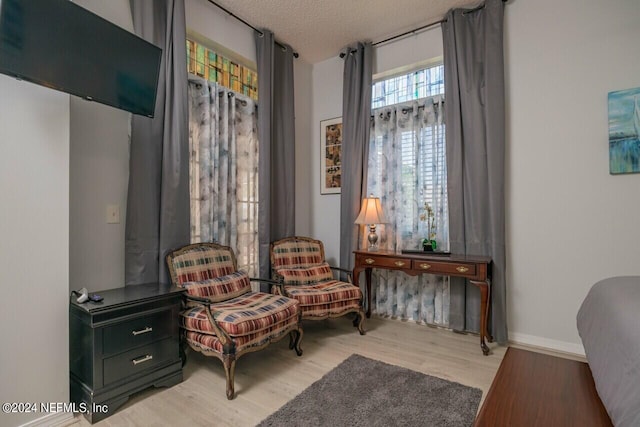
x=222, y=316
x=298, y=264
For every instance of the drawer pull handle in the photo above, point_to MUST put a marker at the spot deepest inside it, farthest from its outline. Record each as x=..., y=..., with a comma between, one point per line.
x=142, y=331
x=369, y=260
x=142, y=359
x=462, y=269
x=425, y=266
x=399, y=263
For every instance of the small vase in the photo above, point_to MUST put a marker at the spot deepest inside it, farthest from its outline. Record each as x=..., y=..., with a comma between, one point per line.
x=427, y=245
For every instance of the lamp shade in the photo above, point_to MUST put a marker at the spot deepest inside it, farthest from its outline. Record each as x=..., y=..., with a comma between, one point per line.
x=371, y=212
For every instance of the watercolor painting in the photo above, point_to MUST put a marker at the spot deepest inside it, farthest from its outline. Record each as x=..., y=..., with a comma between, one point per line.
x=624, y=131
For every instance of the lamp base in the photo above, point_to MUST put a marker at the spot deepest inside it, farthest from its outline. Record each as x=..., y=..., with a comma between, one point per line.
x=373, y=238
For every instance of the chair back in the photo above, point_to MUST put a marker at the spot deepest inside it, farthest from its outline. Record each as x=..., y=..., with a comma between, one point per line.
x=200, y=261
x=296, y=252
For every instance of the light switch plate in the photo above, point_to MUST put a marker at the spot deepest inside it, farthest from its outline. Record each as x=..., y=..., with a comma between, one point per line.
x=113, y=214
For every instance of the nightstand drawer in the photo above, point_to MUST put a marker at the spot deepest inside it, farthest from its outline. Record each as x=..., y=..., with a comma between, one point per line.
x=139, y=360
x=136, y=332
x=445, y=268
x=386, y=262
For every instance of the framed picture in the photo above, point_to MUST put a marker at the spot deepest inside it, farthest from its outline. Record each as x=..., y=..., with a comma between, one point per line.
x=330, y=155
x=624, y=131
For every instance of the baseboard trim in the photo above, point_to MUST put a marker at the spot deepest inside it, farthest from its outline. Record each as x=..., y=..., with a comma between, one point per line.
x=56, y=419
x=533, y=342
x=547, y=343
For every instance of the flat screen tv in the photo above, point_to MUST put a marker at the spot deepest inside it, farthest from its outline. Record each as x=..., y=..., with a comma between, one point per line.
x=58, y=44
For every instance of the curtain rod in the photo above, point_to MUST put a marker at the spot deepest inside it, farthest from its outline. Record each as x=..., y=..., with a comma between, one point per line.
x=295, y=54
x=424, y=27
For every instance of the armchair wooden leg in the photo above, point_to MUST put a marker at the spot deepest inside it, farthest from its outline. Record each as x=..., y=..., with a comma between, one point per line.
x=359, y=322
x=296, y=343
x=293, y=335
x=229, y=362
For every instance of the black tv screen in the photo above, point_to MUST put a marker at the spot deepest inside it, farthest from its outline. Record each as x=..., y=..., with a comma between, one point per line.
x=58, y=44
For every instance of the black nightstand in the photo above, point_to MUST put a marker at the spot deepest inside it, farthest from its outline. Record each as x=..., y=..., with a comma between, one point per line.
x=123, y=344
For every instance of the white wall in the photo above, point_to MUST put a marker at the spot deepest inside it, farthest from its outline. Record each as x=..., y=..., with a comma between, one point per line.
x=99, y=174
x=34, y=254
x=408, y=50
x=569, y=223
x=302, y=73
x=220, y=27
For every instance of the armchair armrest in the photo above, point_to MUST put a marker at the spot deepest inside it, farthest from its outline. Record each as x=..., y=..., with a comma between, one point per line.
x=345, y=271
x=199, y=300
x=257, y=279
x=224, y=338
x=278, y=283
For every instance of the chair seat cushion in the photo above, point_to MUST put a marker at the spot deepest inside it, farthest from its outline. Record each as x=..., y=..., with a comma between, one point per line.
x=306, y=275
x=248, y=314
x=220, y=288
x=209, y=343
x=322, y=299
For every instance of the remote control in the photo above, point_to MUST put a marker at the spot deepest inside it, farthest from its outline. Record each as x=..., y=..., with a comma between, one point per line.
x=95, y=298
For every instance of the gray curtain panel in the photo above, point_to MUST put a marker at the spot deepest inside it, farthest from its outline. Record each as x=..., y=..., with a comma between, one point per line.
x=158, y=198
x=475, y=133
x=356, y=125
x=276, y=134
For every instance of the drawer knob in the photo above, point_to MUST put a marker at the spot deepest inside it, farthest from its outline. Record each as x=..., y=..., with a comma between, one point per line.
x=462, y=269
x=142, y=331
x=425, y=266
x=399, y=263
x=142, y=359
x=369, y=260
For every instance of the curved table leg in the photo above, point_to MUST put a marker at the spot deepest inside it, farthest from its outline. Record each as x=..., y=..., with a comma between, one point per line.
x=489, y=336
x=484, y=314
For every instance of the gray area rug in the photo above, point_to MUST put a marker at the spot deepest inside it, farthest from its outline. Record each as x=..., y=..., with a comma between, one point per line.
x=365, y=392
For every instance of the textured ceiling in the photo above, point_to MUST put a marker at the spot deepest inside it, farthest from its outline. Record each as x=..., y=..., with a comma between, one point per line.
x=318, y=29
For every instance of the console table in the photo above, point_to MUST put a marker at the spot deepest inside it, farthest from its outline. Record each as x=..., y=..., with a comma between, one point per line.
x=475, y=268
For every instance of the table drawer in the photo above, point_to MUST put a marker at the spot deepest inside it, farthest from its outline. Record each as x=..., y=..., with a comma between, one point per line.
x=136, y=332
x=139, y=359
x=386, y=262
x=445, y=268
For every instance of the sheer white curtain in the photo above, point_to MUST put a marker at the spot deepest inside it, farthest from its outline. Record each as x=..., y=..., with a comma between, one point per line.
x=223, y=170
x=407, y=169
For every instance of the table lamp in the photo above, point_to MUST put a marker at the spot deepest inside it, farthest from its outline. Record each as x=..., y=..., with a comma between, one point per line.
x=371, y=213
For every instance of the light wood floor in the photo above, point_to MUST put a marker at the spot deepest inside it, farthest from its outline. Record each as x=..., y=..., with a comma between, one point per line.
x=267, y=379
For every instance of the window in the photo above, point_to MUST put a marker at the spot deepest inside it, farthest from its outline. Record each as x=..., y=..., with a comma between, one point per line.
x=407, y=162
x=407, y=87
x=223, y=146
x=247, y=206
x=212, y=66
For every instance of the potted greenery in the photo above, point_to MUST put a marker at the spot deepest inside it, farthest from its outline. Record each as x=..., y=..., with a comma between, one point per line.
x=429, y=243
